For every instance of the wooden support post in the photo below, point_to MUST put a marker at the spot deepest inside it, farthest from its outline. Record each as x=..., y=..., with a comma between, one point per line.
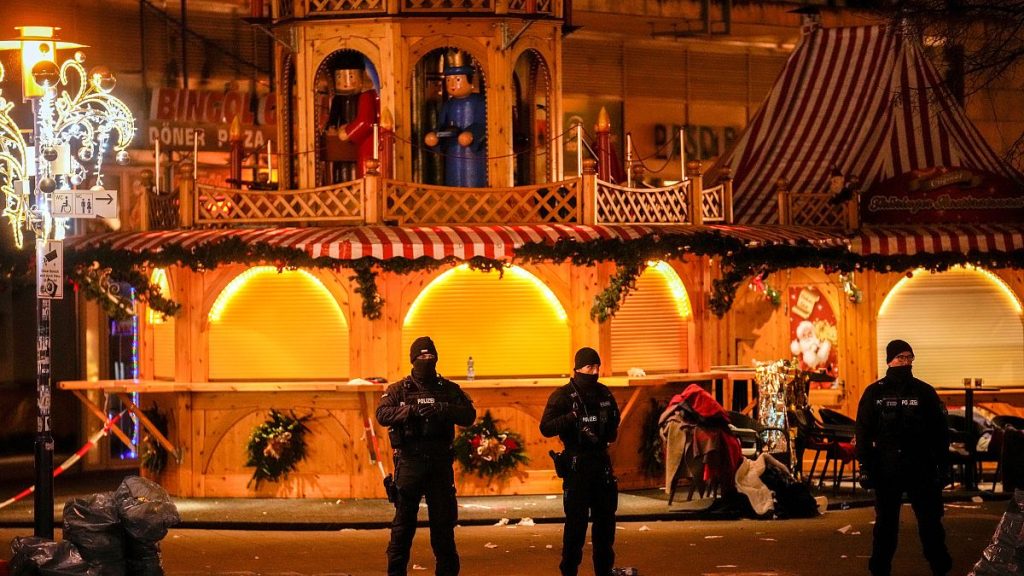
x=186, y=195
x=146, y=181
x=853, y=213
x=695, y=200
x=148, y=425
x=98, y=412
x=782, y=191
x=588, y=192
x=726, y=173
x=371, y=192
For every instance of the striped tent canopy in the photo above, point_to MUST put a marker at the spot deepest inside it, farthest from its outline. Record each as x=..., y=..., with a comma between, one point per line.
x=463, y=242
x=937, y=239
x=864, y=100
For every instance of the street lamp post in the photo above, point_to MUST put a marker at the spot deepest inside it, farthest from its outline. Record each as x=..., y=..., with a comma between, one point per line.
x=84, y=116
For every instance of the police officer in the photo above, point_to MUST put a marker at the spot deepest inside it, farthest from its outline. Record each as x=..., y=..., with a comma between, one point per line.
x=421, y=412
x=902, y=447
x=584, y=415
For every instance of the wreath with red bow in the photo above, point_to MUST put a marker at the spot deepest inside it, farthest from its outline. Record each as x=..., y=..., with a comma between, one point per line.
x=487, y=451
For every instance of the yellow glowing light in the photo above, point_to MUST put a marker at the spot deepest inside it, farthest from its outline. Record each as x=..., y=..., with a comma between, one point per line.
x=515, y=271
x=159, y=278
x=675, y=286
x=239, y=282
x=510, y=326
x=37, y=44
x=996, y=281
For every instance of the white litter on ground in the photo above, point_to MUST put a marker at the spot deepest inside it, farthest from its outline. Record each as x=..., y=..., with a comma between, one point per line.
x=480, y=506
x=768, y=539
x=526, y=522
x=549, y=546
x=644, y=528
x=845, y=529
x=714, y=537
x=550, y=497
x=490, y=545
x=977, y=499
x=502, y=522
x=418, y=567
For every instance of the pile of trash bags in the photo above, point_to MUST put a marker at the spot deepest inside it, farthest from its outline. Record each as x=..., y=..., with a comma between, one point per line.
x=1004, y=556
x=107, y=534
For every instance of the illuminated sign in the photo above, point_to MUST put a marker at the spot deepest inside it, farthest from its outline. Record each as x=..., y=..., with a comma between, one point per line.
x=944, y=195
x=180, y=119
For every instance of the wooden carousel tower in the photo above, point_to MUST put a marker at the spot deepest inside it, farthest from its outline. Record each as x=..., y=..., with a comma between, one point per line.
x=511, y=50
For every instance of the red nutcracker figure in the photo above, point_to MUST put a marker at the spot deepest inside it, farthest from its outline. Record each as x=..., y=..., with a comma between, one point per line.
x=348, y=137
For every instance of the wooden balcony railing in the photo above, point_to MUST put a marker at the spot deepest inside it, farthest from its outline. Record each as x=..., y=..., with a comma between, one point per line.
x=816, y=209
x=342, y=203
x=620, y=205
x=287, y=9
x=407, y=203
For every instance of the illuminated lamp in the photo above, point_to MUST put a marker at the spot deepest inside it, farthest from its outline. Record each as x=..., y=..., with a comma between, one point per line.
x=1004, y=289
x=239, y=282
x=37, y=44
x=159, y=279
x=675, y=286
x=515, y=271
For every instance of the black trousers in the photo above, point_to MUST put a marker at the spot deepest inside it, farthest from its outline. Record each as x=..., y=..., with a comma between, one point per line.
x=418, y=476
x=593, y=497
x=926, y=500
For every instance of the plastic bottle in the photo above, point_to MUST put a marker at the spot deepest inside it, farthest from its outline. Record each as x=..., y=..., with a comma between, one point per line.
x=470, y=371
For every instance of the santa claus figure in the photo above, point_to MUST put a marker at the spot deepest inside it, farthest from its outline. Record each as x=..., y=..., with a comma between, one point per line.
x=812, y=352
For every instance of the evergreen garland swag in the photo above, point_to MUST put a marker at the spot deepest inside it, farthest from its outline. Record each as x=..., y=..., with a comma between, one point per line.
x=487, y=451
x=94, y=270
x=277, y=446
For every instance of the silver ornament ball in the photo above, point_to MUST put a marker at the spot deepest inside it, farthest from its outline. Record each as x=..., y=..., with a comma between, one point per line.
x=45, y=73
x=47, y=185
x=123, y=157
x=49, y=153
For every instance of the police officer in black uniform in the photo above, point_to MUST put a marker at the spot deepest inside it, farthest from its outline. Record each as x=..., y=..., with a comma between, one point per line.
x=903, y=447
x=421, y=412
x=584, y=415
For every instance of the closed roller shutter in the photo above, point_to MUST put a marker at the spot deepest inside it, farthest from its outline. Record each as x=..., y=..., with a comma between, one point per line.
x=961, y=324
x=267, y=325
x=163, y=331
x=650, y=330
x=592, y=68
x=512, y=326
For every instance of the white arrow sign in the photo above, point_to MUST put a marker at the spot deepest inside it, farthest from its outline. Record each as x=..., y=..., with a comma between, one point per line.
x=85, y=204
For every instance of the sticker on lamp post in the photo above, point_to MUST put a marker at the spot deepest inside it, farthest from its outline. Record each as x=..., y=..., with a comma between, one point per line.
x=50, y=271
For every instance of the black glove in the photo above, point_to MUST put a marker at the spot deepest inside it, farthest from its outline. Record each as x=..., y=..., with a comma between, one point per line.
x=432, y=409
x=588, y=435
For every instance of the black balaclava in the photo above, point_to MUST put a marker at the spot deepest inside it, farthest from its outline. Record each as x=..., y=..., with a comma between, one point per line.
x=892, y=350
x=585, y=357
x=423, y=370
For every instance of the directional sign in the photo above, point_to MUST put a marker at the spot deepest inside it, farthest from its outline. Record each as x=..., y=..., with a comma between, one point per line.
x=84, y=204
x=50, y=271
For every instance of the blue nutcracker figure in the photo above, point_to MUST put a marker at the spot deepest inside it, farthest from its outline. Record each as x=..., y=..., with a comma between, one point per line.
x=462, y=129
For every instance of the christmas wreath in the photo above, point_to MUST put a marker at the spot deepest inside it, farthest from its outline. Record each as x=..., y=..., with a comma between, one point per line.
x=488, y=452
x=277, y=446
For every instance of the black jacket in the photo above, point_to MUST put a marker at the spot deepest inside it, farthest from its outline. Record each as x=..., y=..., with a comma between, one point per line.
x=901, y=430
x=409, y=430
x=585, y=418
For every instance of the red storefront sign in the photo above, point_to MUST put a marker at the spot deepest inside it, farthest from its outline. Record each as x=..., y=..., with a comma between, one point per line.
x=943, y=195
x=180, y=119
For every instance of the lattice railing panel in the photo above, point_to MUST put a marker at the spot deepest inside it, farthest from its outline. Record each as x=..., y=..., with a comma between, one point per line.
x=163, y=211
x=447, y=5
x=811, y=209
x=531, y=6
x=323, y=7
x=339, y=203
x=712, y=205
x=406, y=203
x=618, y=205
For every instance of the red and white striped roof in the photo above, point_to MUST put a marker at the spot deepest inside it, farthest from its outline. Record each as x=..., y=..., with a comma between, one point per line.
x=866, y=100
x=438, y=242
x=933, y=239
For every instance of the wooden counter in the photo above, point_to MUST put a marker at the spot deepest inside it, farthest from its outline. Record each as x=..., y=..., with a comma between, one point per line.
x=210, y=422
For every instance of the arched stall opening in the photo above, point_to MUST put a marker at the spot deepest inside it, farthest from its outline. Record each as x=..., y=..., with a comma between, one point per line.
x=964, y=322
x=162, y=330
x=531, y=81
x=652, y=329
x=347, y=106
x=277, y=325
x=510, y=326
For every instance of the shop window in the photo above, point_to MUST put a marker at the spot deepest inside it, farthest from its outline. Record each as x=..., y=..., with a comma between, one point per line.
x=270, y=325
x=651, y=329
x=511, y=326
x=962, y=323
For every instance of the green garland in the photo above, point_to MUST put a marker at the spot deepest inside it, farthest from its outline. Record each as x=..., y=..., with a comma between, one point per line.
x=277, y=446
x=488, y=452
x=94, y=270
x=151, y=453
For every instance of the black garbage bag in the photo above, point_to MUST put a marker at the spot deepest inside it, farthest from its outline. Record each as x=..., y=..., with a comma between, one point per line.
x=1004, y=556
x=143, y=558
x=793, y=498
x=92, y=524
x=45, y=557
x=145, y=509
